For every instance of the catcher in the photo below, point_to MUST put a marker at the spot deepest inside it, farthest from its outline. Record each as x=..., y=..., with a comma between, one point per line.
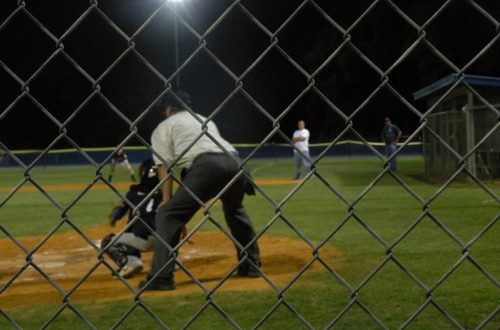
x=126, y=251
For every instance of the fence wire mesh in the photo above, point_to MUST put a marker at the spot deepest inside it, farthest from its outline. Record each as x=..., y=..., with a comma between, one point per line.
x=457, y=157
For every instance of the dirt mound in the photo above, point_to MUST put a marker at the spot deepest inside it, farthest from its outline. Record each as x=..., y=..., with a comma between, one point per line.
x=68, y=260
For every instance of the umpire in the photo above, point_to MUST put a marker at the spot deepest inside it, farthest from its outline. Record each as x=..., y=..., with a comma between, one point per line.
x=205, y=170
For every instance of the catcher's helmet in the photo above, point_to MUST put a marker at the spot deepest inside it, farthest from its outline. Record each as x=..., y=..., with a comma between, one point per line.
x=149, y=174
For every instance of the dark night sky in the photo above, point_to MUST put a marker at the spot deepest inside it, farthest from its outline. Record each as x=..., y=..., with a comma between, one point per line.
x=459, y=32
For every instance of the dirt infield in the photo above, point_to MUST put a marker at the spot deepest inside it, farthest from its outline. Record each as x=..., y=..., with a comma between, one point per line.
x=67, y=258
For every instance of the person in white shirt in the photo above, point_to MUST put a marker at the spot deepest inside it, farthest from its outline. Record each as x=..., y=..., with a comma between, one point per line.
x=301, y=140
x=208, y=164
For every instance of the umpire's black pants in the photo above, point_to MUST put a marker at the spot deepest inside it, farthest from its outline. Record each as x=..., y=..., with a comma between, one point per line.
x=206, y=177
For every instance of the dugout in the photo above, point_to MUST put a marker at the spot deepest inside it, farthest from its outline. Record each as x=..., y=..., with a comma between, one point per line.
x=462, y=119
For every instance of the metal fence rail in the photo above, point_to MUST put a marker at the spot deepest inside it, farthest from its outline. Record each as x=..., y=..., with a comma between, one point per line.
x=350, y=43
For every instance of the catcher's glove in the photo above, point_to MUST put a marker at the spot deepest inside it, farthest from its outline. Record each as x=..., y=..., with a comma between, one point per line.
x=116, y=214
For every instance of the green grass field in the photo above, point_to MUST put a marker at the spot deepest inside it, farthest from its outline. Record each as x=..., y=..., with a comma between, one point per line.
x=387, y=210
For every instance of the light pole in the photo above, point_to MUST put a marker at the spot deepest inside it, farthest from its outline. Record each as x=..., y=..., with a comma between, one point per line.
x=176, y=41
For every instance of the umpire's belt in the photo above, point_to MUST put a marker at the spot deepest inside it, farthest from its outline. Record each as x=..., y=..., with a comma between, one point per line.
x=202, y=155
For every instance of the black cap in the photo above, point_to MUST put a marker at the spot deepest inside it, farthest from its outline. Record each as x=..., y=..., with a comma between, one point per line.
x=174, y=100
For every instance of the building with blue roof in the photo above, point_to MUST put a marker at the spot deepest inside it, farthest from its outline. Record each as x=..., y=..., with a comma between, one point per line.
x=463, y=117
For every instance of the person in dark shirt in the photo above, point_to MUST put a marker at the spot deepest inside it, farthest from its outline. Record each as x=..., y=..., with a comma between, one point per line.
x=391, y=135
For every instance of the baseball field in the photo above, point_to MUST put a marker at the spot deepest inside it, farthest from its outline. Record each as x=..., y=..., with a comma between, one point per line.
x=380, y=262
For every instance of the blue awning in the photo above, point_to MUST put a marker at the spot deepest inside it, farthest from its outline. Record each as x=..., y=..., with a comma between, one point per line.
x=451, y=79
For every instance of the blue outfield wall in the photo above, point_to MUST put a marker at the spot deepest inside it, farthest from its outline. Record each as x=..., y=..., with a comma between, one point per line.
x=137, y=154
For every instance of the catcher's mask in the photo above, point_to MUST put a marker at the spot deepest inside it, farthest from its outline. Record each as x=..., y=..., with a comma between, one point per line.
x=149, y=174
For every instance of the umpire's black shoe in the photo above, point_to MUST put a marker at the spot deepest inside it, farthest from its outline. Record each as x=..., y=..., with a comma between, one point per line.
x=248, y=271
x=253, y=273
x=157, y=285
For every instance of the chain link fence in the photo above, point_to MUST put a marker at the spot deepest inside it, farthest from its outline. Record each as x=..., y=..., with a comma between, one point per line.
x=459, y=160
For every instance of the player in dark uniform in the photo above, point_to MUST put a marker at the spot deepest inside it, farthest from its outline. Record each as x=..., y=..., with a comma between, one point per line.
x=391, y=135
x=120, y=159
x=126, y=252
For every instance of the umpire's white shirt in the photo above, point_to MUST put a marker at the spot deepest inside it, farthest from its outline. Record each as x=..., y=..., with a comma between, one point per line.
x=173, y=136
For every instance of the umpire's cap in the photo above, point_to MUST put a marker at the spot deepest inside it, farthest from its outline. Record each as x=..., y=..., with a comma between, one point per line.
x=174, y=100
